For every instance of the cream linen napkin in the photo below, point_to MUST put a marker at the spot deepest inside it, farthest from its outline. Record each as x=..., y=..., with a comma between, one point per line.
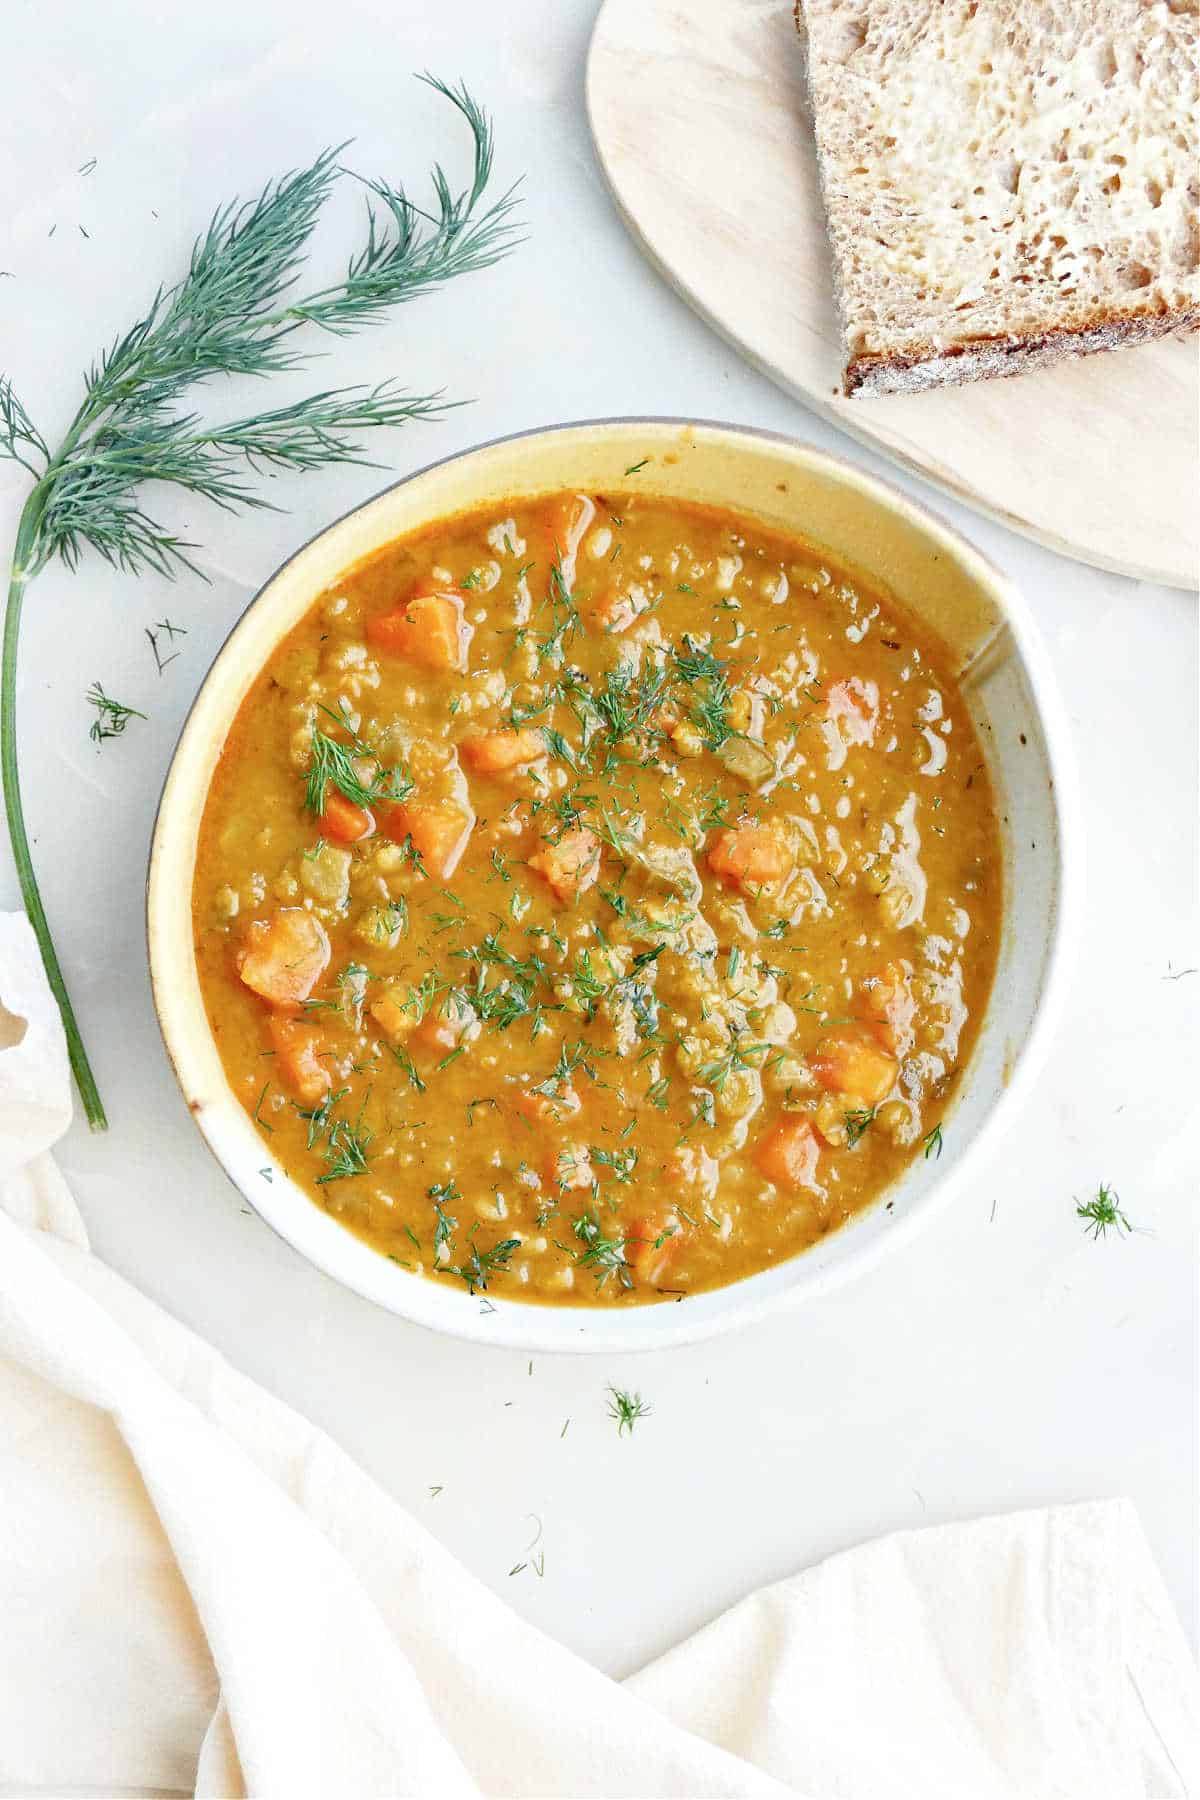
x=198, y=1591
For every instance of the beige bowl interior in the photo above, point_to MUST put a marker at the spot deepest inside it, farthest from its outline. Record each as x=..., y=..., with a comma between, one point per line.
x=861, y=522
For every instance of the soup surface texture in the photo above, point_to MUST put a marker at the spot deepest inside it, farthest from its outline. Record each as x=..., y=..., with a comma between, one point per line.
x=596, y=900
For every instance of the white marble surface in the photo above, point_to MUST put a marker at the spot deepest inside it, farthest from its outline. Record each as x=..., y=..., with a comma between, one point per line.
x=1002, y=1360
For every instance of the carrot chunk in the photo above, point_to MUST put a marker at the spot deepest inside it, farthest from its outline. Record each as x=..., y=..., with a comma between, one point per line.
x=344, y=822
x=749, y=856
x=494, y=752
x=851, y=1062
x=392, y=1016
x=788, y=1153
x=428, y=628
x=437, y=829
x=297, y=1049
x=442, y=1031
x=617, y=609
x=651, y=1245
x=886, y=1004
x=571, y=865
x=853, y=706
x=284, y=957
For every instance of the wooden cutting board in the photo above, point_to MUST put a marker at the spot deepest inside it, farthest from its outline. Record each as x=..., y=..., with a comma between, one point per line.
x=701, y=123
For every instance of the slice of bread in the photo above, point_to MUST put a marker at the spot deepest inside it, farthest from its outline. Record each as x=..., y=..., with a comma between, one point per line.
x=1006, y=182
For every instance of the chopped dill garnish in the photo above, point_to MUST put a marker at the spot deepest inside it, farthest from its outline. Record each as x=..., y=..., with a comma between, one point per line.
x=409, y=1066
x=621, y=1162
x=339, y=765
x=482, y=1263
x=111, y=717
x=933, y=1143
x=626, y=1409
x=320, y=1117
x=258, y=1118
x=565, y=622
x=707, y=678
x=634, y=468
x=558, y=747
x=715, y=1074
x=345, y=1150
x=857, y=1123
x=1104, y=1212
x=605, y=1256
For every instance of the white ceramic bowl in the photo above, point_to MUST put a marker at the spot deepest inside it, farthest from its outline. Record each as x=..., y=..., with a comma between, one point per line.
x=786, y=485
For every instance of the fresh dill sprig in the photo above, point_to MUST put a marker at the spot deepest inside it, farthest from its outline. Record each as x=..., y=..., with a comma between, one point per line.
x=234, y=312
x=626, y=1409
x=1103, y=1213
x=111, y=717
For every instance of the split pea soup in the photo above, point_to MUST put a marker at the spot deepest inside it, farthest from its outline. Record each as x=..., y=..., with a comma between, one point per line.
x=597, y=899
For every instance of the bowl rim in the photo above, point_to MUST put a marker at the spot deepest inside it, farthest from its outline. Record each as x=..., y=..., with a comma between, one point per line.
x=544, y=1328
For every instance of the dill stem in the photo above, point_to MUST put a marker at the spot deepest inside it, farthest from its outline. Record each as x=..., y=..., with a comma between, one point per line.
x=24, y=555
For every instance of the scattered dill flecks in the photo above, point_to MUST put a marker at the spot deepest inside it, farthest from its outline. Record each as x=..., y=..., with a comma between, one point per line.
x=87, y=167
x=933, y=1143
x=435, y=1491
x=635, y=468
x=111, y=716
x=626, y=1409
x=172, y=631
x=1103, y=1212
x=258, y=1118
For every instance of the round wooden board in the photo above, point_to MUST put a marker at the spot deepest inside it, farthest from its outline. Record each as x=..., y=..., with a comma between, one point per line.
x=701, y=123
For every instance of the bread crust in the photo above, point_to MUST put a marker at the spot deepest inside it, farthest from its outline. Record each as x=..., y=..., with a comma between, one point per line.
x=872, y=372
